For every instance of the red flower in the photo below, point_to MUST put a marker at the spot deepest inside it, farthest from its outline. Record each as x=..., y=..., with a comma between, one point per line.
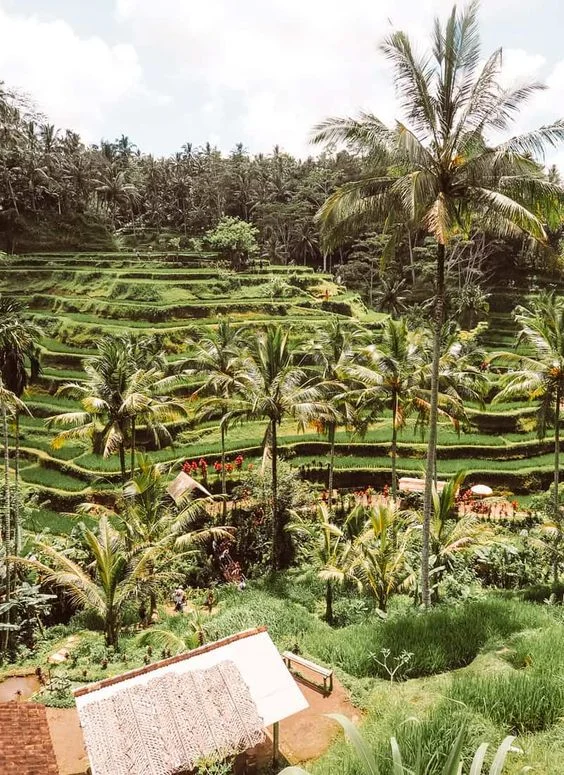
x=229, y=468
x=239, y=462
x=217, y=466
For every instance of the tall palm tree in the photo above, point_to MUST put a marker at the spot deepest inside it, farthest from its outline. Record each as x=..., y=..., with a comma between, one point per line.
x=217, y=356
x=395, y=370
x=540, y=375
x=334, y=351
x=10, y=405
x=444, y=176
x=274, y=386
x=19, y=364
x=114, y=396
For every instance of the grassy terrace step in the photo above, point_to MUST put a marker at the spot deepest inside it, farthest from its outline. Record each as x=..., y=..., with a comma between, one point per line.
x=136, y=311
x=297, y=315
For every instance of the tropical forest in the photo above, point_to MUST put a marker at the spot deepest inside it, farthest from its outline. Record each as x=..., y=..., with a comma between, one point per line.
x=317, y=397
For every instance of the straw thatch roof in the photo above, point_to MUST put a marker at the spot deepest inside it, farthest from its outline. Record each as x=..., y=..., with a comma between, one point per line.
x=166, y=725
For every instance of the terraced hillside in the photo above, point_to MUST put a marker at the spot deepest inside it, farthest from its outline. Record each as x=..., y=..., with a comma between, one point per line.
x=77, y=298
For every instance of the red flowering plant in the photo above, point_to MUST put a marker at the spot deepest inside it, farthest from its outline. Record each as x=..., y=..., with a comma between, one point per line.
x=239, y=462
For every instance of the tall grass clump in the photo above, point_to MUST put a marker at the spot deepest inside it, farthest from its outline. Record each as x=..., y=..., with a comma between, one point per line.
x=541, y=651
x=440, y=640
x=287, y=623
x=517, y=701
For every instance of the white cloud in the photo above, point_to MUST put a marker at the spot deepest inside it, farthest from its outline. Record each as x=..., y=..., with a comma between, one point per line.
x=289, y=63
x=74, y=80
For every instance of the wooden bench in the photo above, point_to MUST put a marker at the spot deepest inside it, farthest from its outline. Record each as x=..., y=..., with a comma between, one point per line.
x=324, y=672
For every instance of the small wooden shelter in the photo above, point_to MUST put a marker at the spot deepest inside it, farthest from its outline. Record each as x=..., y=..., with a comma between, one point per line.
x=164, y=718
x=413, y=484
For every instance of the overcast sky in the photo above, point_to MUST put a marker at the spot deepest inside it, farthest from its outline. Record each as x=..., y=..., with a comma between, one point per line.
x=259, y=72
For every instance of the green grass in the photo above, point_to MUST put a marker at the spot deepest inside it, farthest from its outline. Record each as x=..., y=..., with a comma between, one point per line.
x=55, y=522
x=52, y=478
x=516, y=701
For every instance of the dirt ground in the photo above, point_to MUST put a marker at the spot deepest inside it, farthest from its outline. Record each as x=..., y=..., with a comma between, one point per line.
x=303, y=737
x=66, y=736
x=308, y=734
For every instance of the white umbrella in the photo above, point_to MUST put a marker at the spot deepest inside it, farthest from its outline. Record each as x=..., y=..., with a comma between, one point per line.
x=481, y=489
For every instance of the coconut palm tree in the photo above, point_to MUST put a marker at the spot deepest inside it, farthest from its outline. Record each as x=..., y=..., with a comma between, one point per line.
x=329, y=550
x=117, y=191
x=109, y=583
x=217, y=356
x=540, y=375
x=444, y=174
x=395, y=371
x=149, y=519
x=19, y=346
x=10, y=406
x=334, y=351
x=453, y=534
x=273, y=386
x=380, y=550
x=114, y=396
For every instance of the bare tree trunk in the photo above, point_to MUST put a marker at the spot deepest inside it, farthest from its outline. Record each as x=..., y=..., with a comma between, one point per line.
x=332, y=429
x=433, y=423
x=7, y=520
x=411, y=261
x=223, y=476
x=122, y=463
x=17, y=546
x=394, y=448
x=132, y=447
x=557, y=520
x=275, y=525
x=329, y=603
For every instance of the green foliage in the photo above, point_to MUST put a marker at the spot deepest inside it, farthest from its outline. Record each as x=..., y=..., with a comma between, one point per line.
x=517, y=702
x=235, y=239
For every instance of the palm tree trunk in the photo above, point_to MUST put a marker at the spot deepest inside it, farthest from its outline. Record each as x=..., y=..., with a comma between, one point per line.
x=17, y=484
x=433, y=418
x=394, y=448
x=556, y=477
x=7, y=519
x=329, y=603
x=111, y=629
x=275, y=525
x=132, y=447
x=122, y=463
x=332, y=429
x=411, y=261
x=223, y=476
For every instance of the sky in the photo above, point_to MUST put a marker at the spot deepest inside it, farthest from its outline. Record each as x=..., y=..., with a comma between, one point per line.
x=259, y=72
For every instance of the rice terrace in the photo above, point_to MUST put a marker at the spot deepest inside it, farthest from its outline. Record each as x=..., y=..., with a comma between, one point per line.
x=281, y=485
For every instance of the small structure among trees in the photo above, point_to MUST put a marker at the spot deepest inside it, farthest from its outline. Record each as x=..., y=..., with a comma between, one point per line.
x=215, y=701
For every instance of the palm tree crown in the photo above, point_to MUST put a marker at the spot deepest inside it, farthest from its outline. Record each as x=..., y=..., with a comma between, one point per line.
x=439, y=170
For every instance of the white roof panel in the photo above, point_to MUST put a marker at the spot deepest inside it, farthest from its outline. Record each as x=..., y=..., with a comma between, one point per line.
x=272, y=688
